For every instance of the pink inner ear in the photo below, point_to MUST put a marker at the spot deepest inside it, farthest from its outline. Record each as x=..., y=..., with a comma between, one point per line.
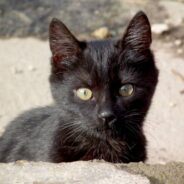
x=64, y=48
x=62, y=42
x=56, y=59
x=138, y=33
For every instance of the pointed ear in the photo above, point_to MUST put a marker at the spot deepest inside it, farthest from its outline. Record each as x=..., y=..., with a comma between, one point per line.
x=138, y=33
x=62, y=42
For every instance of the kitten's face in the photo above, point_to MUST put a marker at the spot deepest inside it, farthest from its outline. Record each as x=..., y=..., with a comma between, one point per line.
x=105, y=86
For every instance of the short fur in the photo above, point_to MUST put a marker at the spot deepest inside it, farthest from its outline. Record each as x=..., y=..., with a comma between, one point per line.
x=71, y=129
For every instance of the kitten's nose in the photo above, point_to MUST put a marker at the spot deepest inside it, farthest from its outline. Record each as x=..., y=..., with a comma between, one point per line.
x=107, y=117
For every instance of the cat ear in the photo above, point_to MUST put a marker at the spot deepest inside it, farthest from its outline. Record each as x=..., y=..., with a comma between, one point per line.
x=138, y=33
x=62, y=42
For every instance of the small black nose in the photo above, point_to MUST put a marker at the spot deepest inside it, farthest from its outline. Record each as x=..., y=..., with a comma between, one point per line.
x=107, y=117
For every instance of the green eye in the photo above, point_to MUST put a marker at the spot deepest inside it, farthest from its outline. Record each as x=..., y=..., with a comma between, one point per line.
x=126, y=90
x=84, y=93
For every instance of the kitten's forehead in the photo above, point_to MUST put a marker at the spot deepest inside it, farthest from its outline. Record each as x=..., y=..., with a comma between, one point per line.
x=101, y=51
x=100, y=54
x=98, y=57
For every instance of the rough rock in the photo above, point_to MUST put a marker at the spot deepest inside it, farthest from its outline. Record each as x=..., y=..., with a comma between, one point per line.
x=101, y=33
x=22, y=172
x=93, y=172
x=178, y=42
x=159, y=28
x=170, y=173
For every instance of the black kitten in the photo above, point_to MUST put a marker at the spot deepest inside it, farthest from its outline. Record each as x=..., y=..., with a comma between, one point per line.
x=102, y=92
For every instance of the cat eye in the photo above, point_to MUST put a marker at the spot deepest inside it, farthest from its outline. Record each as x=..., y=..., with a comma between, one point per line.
x=84, y=93
x=126, y=90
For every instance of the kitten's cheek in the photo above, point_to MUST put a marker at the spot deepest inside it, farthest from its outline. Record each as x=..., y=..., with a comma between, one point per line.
x=122, y=103
x=93, y=99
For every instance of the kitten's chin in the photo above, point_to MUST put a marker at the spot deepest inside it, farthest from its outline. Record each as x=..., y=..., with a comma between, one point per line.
x=104, y=133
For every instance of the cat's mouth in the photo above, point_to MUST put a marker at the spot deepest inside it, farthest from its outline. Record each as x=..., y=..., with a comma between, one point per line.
x=103, y=129
x=104, y=132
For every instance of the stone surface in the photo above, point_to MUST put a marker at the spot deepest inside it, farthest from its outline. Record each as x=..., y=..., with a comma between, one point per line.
x=101, y=33
x=159, y=28
x=80, y=172
x=93, y=172
x=171, y=173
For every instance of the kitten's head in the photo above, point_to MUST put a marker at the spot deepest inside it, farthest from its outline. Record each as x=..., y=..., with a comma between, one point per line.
x=105, y=86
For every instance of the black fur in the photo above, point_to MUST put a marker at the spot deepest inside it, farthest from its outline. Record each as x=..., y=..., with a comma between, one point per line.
x=71, y=129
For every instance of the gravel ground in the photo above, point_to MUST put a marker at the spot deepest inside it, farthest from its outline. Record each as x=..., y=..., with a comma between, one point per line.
x=31, y=18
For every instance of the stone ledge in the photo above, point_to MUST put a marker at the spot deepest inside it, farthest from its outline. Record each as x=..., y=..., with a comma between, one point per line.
x=170, y=173
x=93, y=172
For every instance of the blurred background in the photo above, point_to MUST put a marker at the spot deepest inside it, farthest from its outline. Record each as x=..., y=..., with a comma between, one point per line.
x=25, y=54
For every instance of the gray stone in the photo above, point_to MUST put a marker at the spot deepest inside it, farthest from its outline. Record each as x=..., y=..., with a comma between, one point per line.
x=170, y=173
x=159, y=28
x=93, y=172
x=101, y=33
x=178, y=42
x=81, y=172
